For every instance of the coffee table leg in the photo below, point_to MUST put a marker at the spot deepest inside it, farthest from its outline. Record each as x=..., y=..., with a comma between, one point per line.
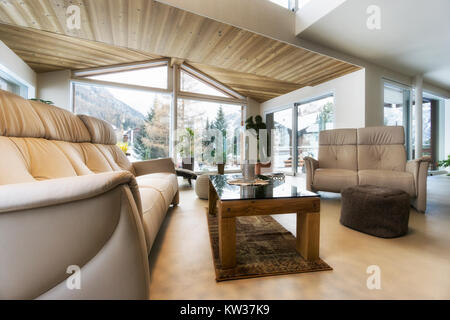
x=227, y=241
x=212, y=199
x=308, y=235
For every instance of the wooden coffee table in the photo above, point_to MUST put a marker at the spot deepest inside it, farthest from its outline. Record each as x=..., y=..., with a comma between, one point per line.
x=231, y=201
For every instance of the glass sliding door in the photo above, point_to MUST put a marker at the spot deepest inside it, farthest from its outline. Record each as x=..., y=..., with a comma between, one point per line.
x=295, y=133
x=432, y=140
x=281, y=125
x=312, y=117
x=397, y=109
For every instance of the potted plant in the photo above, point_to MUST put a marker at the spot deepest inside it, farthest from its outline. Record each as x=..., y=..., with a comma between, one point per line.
x=187, y=149
x=257, y=125
x=445, y=163
x=220, y=164
x=220, y=124
x=124, y=147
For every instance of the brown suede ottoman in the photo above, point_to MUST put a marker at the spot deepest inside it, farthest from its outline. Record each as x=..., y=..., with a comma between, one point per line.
x=378, y=211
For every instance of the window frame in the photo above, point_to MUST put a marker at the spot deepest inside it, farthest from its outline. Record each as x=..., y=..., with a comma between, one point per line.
x=26, y=91
x=407, y=111
x=174, y=69
x=294, y=108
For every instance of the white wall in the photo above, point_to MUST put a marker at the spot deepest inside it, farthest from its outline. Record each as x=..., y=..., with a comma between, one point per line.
x=349, y=96
x=312, y=12
x=374, y=76
x=55, y=86
x=253, y=108
x=14, y=66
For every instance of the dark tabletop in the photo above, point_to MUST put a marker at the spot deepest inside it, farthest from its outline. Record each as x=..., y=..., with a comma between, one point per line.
x=276, y=189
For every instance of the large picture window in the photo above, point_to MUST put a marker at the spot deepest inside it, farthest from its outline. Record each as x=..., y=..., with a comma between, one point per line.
x=138, y=101
x=196, y=118
x=140, y=119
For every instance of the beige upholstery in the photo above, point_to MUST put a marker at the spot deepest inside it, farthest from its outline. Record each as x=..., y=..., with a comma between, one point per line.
x=394, y=179
x=373, y=155
x=69, y=196
x=338, y=149
x=334, y=180
x=100, y=131
x=381, y=148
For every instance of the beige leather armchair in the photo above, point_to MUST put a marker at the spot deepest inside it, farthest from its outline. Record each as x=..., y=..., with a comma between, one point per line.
x=373, y=155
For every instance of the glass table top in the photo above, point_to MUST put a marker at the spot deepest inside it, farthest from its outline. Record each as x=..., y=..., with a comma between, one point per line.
x=276, y=189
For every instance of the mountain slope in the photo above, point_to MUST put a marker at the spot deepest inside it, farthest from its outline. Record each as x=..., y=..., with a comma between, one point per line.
x=98, y=102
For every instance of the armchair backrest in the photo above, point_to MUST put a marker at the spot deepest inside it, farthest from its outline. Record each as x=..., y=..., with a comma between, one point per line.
x=382, y=148
x=337, y=149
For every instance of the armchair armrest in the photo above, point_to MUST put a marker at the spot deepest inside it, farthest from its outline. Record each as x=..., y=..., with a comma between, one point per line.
x=314, y=162
x=419, y=169
x=154, y=166
x=89, y=222
x=311, y=166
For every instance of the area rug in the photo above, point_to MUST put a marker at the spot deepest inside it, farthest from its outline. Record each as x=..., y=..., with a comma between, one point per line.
x=263, y=248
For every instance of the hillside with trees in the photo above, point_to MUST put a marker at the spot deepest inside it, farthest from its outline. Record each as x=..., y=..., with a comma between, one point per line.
x=98, y=102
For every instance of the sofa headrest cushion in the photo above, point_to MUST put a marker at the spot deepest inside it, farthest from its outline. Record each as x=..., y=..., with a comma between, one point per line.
x=381, y=135
x=101, y=131
x=61, y=124
x=337, y=137
x=22, y=118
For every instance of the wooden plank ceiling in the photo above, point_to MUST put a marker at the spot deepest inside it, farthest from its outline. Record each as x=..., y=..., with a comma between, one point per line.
x=122, y=31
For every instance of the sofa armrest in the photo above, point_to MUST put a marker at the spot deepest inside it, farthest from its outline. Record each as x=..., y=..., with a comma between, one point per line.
x=59, y=191
x=88, y=224
x=311, y=166
x=154, y=166
x=419, y=169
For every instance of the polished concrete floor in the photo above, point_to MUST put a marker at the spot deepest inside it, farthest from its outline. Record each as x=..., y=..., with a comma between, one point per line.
x=416, y=266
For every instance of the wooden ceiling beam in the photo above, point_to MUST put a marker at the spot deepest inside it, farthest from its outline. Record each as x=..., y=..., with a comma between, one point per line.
x=122, y=31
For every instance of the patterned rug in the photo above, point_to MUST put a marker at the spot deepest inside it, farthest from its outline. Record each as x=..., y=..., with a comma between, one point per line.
x=263, y=248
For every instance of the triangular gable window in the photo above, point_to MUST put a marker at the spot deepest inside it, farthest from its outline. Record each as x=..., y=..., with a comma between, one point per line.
x=191, y=84
x=154, y=77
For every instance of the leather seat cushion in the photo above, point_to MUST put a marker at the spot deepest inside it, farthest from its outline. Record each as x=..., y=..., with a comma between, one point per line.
x=165, y=183
x=334, y=180
x=394, y=179
x=154, y=208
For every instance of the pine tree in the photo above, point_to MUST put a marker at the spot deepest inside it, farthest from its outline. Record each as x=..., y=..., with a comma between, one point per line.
x=325, y=116
x=220, y=123
x=140, y=148
x=152, y=141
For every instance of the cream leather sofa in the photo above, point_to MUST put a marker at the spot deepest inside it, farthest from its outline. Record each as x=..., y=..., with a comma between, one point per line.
x=373, y=155
x=70, y=197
